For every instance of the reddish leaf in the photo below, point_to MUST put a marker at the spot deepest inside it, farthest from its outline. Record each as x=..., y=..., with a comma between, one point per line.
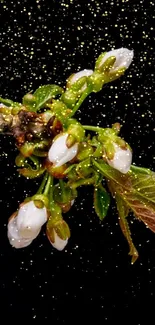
x=123, y=211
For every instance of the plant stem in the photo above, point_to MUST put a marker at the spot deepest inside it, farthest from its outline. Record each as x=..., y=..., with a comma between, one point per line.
x=92, y=128
x=96, y=164
x=42, y=185
x=88, y=181
x=35, y=161
x=48, y=185
x=51, y=201
x=86, y=92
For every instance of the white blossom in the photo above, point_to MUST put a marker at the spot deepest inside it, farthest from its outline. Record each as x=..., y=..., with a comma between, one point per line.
x=15, y=239
x=80, y=74
x=123, y=57
x=59, y=153
x=30, y=219
x=122, y=159
x=59, y=243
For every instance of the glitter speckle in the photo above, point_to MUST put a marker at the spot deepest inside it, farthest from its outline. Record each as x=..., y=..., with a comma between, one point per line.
x=44, y=42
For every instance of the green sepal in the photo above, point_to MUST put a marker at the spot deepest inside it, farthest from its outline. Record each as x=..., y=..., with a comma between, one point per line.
x=31, y=173
x=41, y=198
x=77, y=131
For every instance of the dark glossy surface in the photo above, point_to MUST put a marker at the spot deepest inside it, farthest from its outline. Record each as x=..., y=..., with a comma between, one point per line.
x=44, y=42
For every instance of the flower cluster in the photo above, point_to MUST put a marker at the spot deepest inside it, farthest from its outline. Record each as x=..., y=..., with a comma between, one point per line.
x=54, y=145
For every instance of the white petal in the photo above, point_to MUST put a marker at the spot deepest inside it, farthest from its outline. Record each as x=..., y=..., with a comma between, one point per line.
x=123, y=56
x=59, y=153
x=122, y=160
x=59, y=243
x=80, y=74
x=30, y=219
x=13, y=235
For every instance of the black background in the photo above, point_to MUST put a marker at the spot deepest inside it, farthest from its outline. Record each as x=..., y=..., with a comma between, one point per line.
x=44, y=42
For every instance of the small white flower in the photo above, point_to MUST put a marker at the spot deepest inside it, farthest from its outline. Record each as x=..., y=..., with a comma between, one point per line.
x=59, y=243
x=30, y=219
x=13, y=235
x=123, y=56
x=80, y=74
x=59, y=153
x=122, y=159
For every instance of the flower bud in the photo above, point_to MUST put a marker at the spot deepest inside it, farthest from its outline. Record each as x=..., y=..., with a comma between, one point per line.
x=30, y=219
x=77, y=76
x=59, y=243
x=59, y=153
x=69, y=98
x=121, y=160
x=29, y=99
x=58, y=234
x=15, y=239
x=114, y=63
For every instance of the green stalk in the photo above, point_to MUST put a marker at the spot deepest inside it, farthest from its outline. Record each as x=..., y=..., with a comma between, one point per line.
x=35, y=161
x=85, y=94
x=51, y=200
x=48, y=185
x=99, y=168
x=80, y=182
x=92, y=128
x=42, y=185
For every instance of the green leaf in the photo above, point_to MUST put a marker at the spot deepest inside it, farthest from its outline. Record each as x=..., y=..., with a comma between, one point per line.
x=123, y=211
x=140, y=170
x=139, y=196
x=44, y=93
x=9, y=102
x=144, y=185
x=142, y=198
x=41, y=96
x=121, y=180
x=101, y=202
x=136, y=190
x=142, y=209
